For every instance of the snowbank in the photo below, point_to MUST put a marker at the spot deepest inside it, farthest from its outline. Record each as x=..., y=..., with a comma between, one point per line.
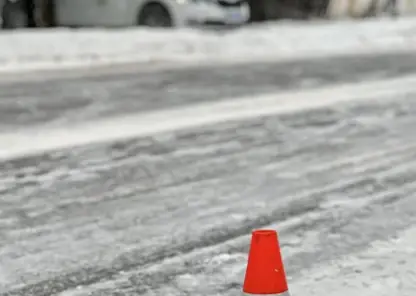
x=48, y=49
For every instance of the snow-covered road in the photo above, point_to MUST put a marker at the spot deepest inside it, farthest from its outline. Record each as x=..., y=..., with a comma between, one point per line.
x=68, y=100
x=171, y=214
x=148, y=181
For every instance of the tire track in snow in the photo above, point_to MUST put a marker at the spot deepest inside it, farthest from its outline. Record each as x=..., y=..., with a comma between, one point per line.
x=314, y=238
x=255, y=150
x=65, y=101
x=115, y=228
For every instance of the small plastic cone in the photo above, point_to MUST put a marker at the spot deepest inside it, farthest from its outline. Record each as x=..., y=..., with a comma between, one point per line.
x=265, y=273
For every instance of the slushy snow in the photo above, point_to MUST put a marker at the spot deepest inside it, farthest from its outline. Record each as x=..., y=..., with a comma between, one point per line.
x=62, y=47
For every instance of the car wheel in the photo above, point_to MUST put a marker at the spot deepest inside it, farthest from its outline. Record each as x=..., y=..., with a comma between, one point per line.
x=14, y=16
x=155, y=15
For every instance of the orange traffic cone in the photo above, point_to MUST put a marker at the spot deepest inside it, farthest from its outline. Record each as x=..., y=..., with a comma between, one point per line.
x=265, y=273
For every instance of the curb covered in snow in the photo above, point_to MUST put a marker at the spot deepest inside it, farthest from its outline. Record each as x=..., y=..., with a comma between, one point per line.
x=67, y=48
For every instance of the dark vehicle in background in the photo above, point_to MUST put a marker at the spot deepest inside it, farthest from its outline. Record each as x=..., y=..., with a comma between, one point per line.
x=263, y=10
x=17, y=14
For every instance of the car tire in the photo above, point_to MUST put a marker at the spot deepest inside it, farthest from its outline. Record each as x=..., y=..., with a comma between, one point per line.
x=155, y=15
x=14, y=16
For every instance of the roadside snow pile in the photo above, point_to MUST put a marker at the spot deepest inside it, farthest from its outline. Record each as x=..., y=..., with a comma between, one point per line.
x=48, y=49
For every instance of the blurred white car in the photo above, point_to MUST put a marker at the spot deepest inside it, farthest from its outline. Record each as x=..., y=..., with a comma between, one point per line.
x=154, y=13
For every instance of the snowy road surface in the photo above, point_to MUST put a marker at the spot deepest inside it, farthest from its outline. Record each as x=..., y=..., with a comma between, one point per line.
x=171, y=214
x=77, y=99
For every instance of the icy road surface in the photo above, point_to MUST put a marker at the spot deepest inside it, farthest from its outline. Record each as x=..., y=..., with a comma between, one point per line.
x=171, y=214
x=69, y=100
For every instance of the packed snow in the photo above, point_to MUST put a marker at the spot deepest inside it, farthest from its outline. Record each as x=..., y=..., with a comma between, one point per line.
x=62, y=47
x=15, y=144
x=384, y=269
x=337, y=184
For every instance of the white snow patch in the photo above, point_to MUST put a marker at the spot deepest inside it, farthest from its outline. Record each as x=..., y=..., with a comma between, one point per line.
x=36, y=140
x=57, y=48
x=384, y=269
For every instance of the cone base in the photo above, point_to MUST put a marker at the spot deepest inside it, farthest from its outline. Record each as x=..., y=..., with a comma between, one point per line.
x=280, y=294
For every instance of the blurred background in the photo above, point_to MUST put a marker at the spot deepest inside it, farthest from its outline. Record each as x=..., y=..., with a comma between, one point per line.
x=165, y=13
x=142, y=141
